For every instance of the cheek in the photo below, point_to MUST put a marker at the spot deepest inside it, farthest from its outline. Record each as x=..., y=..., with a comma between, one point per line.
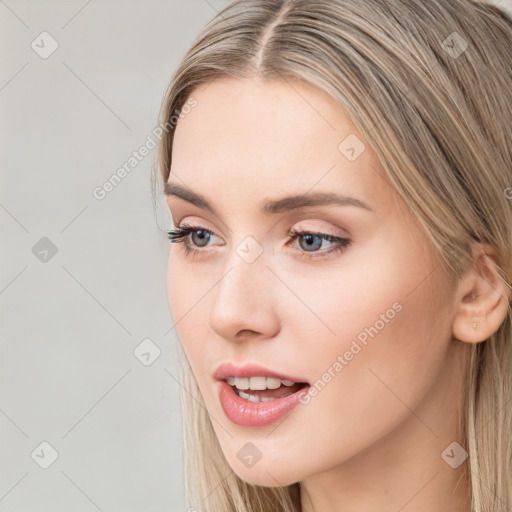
x=187, y=292
x=184, y=296
x=385, y=297
x=185, y=289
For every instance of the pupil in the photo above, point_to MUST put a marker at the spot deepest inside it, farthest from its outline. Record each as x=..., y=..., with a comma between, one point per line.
x=310, y=242
x=202, y=235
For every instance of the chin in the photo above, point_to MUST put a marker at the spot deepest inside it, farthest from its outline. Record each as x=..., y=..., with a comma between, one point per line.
x=276, y=471
x=264, y=476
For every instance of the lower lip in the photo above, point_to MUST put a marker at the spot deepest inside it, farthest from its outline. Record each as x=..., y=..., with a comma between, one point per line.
x=256, y=414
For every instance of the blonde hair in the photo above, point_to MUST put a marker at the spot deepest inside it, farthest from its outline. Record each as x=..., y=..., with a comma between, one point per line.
x=429, y=85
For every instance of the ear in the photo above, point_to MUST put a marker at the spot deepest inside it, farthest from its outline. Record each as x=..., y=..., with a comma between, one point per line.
x=482, y=299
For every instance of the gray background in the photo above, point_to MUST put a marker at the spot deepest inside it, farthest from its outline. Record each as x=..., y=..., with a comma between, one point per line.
x=70, y=323
x=72, y=376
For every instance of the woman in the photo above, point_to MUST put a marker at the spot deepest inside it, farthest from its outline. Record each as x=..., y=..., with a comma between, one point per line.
x=339, y=176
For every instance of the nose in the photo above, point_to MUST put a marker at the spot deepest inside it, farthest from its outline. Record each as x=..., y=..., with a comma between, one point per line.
x=243, y=306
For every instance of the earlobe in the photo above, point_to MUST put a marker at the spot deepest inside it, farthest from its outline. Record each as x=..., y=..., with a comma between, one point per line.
x=483, y=299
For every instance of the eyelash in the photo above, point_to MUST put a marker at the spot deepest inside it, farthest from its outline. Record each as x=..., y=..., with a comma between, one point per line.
x=181, y=234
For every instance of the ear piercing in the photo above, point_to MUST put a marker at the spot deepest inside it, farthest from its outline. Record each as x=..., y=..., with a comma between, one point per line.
x=475, y=325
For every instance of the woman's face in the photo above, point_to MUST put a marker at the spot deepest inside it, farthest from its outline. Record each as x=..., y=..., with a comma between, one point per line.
x=364, y=318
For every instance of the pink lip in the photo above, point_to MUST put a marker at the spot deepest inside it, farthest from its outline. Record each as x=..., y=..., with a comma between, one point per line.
x=226, y=370
x=251, y=414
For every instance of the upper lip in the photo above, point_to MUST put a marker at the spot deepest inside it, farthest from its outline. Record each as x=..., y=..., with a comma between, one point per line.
x=226, y=370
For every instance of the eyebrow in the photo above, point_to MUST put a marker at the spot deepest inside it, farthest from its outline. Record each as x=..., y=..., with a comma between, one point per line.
x=272, y=206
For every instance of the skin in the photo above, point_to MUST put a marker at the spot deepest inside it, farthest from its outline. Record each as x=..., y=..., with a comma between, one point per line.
x=372, y=439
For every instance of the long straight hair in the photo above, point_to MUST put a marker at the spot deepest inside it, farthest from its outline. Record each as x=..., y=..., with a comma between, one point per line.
x=429, y=85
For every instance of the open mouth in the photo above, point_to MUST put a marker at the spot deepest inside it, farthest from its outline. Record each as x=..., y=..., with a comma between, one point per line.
x=257, y=400
x=263, y=389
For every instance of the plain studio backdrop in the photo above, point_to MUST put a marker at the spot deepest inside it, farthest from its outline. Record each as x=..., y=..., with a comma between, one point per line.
x=89, y=397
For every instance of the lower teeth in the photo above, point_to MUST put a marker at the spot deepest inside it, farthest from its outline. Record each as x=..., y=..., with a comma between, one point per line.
x=256, y=398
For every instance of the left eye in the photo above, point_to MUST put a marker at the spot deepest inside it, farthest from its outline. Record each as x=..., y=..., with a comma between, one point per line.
x=310, y=242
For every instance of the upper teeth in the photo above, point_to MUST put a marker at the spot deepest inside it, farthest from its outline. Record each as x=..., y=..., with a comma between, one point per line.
x=257, y=383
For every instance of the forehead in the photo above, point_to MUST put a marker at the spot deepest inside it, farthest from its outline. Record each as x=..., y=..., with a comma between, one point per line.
x=257, y=136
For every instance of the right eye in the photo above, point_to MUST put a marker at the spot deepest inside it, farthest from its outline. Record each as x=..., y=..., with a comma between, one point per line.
x=192, y=237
